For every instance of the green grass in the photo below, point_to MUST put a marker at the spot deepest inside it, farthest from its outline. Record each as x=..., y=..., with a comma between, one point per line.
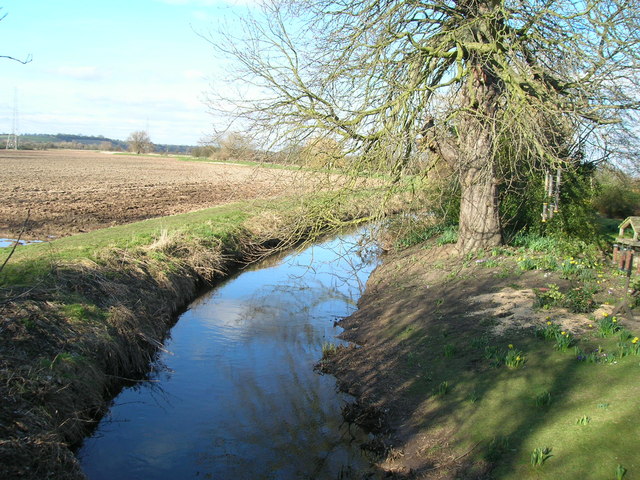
x=31, y=262
x=591, y=452
x=83, y=312
x=246, y=163
x=419, y=232
x=554, y=401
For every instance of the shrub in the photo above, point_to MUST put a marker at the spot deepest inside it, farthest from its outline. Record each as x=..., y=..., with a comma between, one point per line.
x=551, y=296
x=580, y=299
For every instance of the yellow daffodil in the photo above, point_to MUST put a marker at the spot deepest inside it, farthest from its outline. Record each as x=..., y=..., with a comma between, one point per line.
x=635, y=340
x=510, y=346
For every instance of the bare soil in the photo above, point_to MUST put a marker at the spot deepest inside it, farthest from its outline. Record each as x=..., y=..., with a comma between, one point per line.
x=68, y=192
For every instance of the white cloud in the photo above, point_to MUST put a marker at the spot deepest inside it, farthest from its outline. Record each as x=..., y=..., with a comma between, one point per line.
x=204, y=16
x=194, y=74
x=87, y=73
x=172, y=114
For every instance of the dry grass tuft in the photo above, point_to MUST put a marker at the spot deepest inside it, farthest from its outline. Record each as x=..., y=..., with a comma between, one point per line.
x=38, y=456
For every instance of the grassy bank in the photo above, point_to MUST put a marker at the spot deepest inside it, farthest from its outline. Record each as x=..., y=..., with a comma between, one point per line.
x=510, y=364
x=83, y=314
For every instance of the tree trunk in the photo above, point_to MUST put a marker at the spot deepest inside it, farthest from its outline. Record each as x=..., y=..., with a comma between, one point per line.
x=479, y=222
x=479, y=219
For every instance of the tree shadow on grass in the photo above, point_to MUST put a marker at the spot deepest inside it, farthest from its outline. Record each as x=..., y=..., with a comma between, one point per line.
x=454, y=408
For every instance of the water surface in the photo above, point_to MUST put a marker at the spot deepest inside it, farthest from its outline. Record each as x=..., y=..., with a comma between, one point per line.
x=9, y=242
x=237, y=396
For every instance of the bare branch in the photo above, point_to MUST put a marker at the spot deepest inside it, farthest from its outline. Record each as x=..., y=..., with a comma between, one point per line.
x=504, y=87
x=28, y=59
x=16, y=241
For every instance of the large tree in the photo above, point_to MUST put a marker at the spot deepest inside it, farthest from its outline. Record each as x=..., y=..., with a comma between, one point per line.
x=491, y=89
x=139, y=142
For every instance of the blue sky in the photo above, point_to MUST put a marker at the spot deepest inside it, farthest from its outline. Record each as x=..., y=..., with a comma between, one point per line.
x=111, y=67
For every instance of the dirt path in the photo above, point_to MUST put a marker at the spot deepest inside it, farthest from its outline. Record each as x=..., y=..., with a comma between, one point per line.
x=69, y=192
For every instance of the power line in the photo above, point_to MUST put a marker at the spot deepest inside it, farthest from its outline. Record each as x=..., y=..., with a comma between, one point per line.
x=12, y=139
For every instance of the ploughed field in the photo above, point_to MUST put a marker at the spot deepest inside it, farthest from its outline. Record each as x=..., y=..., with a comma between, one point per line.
x=68, y=192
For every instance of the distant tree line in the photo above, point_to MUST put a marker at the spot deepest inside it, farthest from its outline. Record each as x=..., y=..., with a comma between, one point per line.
x=314, y=152
x=44, y=141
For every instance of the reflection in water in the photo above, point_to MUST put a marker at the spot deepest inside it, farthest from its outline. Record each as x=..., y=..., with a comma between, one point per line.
x=8, y=242
x=237, y=397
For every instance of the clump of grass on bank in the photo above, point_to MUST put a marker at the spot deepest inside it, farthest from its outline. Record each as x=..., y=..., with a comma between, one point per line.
x=414, y=231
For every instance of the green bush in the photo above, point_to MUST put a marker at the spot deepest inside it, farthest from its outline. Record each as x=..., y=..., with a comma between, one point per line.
x=580, y=299
x=548, y=297
x=616, y=196
x=521, y=205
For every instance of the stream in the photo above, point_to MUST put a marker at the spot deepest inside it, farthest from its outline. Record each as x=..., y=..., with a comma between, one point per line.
x=9, y=242
x=235, y=395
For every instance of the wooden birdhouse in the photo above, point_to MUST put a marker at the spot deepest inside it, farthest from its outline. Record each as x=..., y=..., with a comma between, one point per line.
x=627, y=244
x=629, y=230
